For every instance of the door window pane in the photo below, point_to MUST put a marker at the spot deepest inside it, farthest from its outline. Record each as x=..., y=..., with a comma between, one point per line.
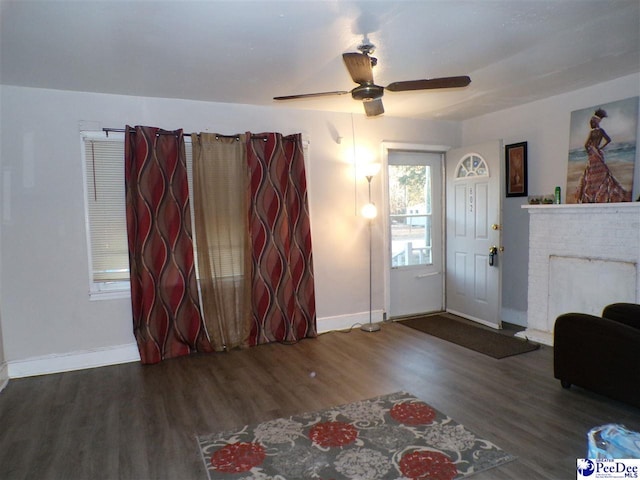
x=410, y=215
x=472, y=166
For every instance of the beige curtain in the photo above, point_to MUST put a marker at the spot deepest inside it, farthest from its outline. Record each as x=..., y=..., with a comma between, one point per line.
x=220, y=184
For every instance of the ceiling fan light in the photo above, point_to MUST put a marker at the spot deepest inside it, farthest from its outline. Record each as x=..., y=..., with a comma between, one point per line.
x=367, y=92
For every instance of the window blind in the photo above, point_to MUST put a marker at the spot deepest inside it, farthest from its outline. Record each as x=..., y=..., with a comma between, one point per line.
x=104, y=167
x=106, y=209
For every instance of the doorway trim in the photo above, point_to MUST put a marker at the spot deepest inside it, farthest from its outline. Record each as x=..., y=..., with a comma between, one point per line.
x=386, y=247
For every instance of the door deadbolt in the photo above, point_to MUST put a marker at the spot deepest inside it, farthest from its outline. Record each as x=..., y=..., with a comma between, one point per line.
x=493, y=251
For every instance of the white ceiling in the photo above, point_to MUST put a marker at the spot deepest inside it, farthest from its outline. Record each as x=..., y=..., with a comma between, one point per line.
x=515, y=51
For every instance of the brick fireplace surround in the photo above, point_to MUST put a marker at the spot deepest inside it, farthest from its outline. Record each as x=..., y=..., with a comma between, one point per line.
x=581, y=258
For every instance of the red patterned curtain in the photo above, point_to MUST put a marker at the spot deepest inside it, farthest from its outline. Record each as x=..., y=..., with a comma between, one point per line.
x=283, y=304
x=164, y=297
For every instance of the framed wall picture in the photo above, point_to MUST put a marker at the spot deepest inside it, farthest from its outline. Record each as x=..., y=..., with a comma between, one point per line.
x=515, y=156
x=602, y=153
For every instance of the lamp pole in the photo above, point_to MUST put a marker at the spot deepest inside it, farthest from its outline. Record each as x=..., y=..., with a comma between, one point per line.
x=370, y=213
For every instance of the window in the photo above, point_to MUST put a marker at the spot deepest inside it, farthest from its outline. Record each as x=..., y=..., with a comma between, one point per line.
x=410, y=214
x=103, y=159
x=105, y=213
x=472, y=165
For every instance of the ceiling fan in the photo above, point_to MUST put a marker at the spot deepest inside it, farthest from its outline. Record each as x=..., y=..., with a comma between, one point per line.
x=360, y=67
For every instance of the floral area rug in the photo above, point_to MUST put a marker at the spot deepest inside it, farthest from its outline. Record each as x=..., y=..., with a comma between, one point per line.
x=395, y=437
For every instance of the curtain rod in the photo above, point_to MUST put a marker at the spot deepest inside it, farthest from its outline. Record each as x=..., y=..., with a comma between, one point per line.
x=165, y=132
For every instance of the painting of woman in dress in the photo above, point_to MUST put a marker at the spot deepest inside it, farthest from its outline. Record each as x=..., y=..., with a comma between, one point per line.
x=601, y=169
x=597, y=184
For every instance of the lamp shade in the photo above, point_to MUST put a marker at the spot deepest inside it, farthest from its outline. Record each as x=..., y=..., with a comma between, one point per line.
x=369, y=211
x=371, y=169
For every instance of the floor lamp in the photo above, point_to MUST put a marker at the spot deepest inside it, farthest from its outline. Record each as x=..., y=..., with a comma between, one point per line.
x=369, y=211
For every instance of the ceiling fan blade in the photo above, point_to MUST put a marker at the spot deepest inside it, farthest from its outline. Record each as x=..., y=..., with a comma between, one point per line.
x=444, y=82
x=373, y=108
x=309, y=95
x=359, y=66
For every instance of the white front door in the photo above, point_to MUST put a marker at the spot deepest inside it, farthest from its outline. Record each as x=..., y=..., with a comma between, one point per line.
x=474, y=232
x=414, y=240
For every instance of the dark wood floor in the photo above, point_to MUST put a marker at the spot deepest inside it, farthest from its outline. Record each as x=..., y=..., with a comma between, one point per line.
x=134, y=422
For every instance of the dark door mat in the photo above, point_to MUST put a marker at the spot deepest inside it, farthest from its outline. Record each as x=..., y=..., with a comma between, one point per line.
x=470, y=336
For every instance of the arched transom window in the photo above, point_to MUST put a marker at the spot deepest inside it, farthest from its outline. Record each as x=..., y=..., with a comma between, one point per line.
x=472, y=165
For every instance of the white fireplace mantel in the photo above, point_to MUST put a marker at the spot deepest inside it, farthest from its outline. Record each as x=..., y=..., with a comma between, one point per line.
x=584, y=208
x=582, y=257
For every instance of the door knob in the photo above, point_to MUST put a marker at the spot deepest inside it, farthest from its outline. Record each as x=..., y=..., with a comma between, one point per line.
x=495, y=226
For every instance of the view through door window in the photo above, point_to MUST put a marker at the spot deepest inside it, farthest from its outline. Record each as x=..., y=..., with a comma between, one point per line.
x=410, y=206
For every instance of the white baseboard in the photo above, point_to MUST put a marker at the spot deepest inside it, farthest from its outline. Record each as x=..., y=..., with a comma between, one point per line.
x=4, y=375
x=68, y=362
x=345, y=322
x=538, y=336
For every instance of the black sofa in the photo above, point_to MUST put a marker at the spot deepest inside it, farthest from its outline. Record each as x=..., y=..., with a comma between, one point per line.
x=601, y=354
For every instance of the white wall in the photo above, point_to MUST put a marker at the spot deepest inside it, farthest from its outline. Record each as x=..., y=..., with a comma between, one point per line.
x=4, y=374
x=47, y=319
x=4, y=371
x=545, y=126
x=47, y=316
